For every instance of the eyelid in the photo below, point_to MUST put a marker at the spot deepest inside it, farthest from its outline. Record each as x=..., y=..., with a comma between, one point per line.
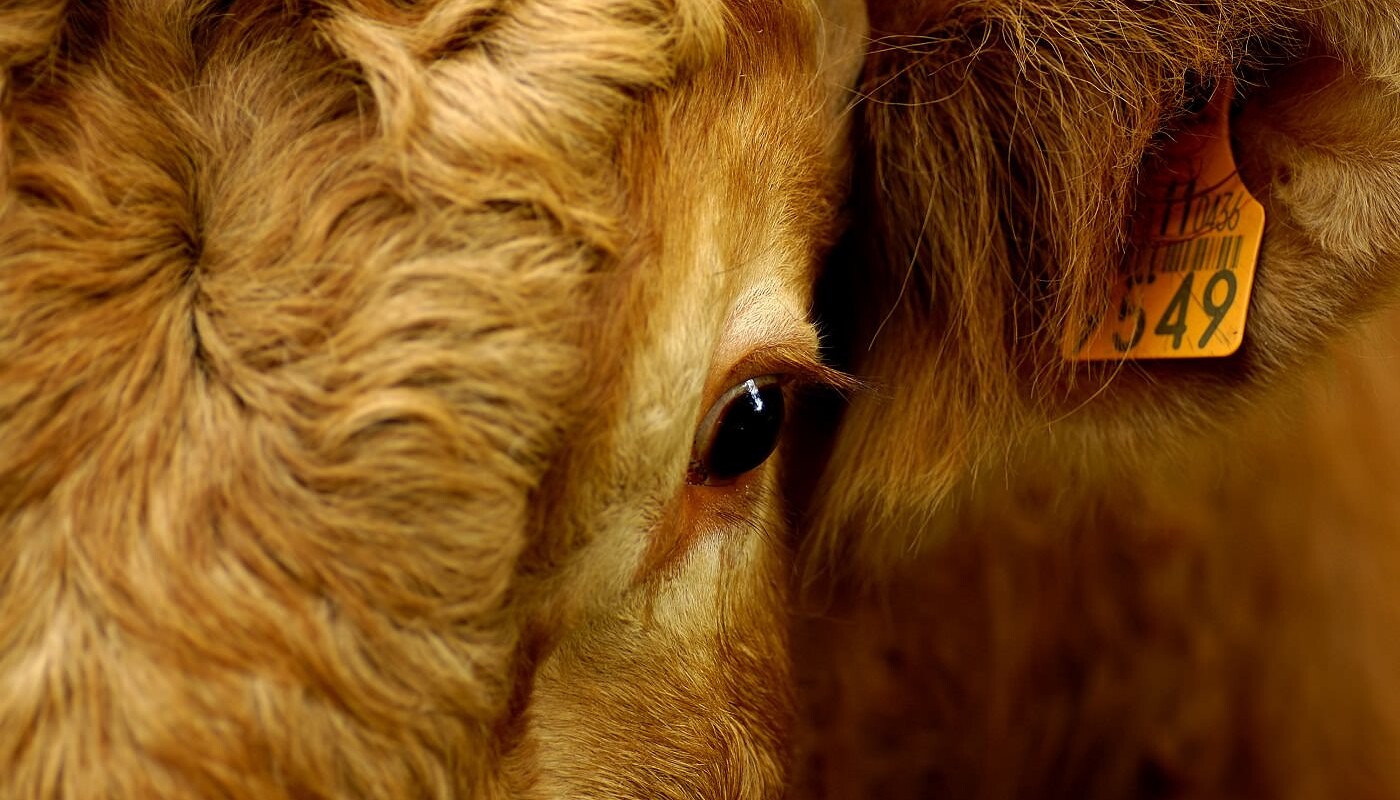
x=795, y=364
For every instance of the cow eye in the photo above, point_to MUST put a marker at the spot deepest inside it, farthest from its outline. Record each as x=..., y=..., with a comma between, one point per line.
x=740, y=431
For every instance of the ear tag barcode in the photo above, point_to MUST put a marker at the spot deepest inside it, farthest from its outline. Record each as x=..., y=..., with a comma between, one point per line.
x=1189, y=265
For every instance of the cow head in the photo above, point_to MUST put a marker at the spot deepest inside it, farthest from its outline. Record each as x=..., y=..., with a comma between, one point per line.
x=1122, y=578
x=389, y=389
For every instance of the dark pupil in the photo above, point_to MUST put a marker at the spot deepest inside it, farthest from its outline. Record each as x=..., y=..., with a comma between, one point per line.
x=747, y=432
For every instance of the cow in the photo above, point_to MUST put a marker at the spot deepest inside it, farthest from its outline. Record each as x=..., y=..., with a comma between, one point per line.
x=1034, y=573
x=387, y=391
x=390, y=393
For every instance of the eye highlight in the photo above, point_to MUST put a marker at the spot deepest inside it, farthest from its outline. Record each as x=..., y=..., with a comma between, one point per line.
x=740, y=431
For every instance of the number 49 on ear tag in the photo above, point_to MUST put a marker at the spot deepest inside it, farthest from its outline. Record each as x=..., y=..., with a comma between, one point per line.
x=1189, y=267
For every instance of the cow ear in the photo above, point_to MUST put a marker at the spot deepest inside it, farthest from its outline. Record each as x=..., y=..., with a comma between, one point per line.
x=993, y=201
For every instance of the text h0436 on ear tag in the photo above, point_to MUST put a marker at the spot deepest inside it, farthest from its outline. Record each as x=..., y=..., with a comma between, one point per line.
x=1189, y=265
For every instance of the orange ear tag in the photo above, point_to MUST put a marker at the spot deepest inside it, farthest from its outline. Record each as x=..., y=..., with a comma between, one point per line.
x=1189, y=266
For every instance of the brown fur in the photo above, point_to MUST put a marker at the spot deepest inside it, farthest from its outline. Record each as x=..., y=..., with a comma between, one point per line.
x=1155, y=580
x=350, y=353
